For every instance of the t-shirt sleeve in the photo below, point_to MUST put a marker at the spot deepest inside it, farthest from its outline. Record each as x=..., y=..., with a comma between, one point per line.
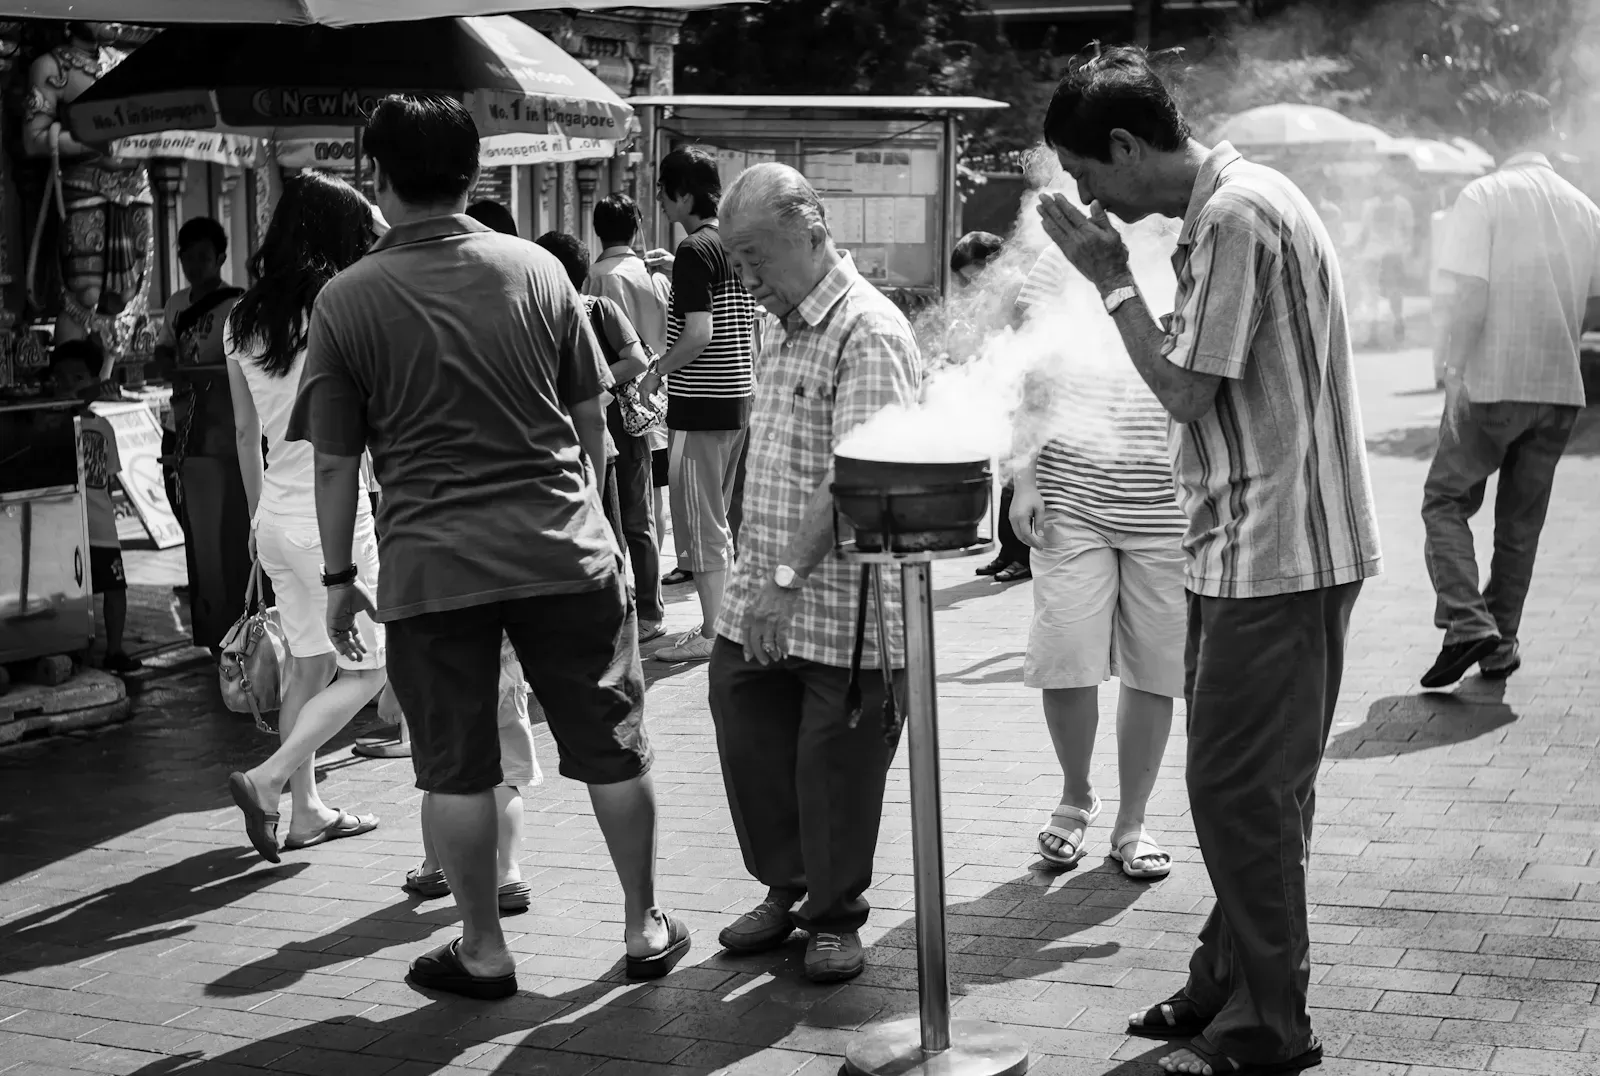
x=581, y=372
x=1219, y=296
x=620, y=333
x=1465, y=249
x=878, y=366
x=1046, y=281
x=330, y=410
x=692, y=280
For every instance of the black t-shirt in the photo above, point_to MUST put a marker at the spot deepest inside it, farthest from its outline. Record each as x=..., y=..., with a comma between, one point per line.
x=714, y=391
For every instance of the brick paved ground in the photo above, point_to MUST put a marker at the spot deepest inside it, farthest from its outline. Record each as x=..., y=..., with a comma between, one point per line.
x=1456, y=886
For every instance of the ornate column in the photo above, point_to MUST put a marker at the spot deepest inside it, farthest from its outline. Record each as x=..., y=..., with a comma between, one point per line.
x=167, y=180
x=567, y=176
x=13, y=248
x=588, y=182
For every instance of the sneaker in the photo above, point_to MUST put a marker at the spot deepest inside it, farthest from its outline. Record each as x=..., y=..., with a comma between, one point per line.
x=122, y=663
x=677, y=576
x=766, y=926
x=1456, y=658
x=650, y=629
x=690, y=646
x=1506, y=659
x=833, y=958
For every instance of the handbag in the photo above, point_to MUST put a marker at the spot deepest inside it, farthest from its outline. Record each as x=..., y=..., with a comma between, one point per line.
x=254, y=657
x=640, y=413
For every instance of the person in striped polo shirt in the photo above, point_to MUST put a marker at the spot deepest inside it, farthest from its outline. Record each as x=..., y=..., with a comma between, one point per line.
x=1254, y=367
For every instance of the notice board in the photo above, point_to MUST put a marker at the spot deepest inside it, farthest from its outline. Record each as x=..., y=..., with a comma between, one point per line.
x=139, y=445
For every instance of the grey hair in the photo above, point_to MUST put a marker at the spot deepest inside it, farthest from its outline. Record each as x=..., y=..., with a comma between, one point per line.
x=779, y=190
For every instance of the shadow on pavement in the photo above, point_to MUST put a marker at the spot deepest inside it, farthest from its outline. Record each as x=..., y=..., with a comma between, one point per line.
x=135, y=912
x=1404, y=724
x=1419, y=442
x=975, y=674
x=698, y=1021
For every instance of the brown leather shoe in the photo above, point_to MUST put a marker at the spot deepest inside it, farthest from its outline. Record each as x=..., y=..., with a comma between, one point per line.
x=833, y=958
x=766, y=926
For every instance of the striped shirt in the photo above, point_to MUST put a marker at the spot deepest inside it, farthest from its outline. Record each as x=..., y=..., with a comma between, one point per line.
x=1107, y=462
x=1535, y=238
x=843, y=355
x=713, y=392
x=1274, y=477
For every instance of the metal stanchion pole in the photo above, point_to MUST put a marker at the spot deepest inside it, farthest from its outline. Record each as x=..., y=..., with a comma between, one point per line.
x=933, y=1043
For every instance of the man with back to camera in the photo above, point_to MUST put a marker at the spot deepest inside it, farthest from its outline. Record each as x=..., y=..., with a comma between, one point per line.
x=462, y=359
x=709, y=386
x=620, y=275
x=1522, y=252
x=1269, y=460
x=804, y=787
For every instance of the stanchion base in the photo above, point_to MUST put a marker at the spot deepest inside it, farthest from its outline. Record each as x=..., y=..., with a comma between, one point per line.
x=382, y=748
x=976, y=1049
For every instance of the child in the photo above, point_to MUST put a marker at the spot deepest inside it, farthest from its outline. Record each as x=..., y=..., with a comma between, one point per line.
x=519, y=768
x=74, y=366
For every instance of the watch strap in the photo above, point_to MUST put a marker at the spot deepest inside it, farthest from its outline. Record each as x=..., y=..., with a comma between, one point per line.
x=343, y=577
x=1117, y=296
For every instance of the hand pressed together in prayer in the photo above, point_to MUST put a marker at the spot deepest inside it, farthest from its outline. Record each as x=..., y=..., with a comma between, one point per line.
x=1091, y=243
x=345, y=602
x=766, y=623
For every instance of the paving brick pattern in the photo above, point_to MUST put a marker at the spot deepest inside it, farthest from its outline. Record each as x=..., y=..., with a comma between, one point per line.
x=1456, y=886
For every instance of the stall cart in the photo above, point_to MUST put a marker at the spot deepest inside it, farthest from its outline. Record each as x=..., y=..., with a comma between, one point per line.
x=46, y=604
x=884, y=166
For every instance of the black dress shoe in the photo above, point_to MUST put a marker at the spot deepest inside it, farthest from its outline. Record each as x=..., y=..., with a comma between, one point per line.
x=1456, y=658
x=994, y=566
x=676, y=576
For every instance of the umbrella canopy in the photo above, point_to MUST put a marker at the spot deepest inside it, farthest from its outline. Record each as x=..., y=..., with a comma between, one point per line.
x=1304, y=126
x=324, y=12
x=262, y=80
x=1435, y=158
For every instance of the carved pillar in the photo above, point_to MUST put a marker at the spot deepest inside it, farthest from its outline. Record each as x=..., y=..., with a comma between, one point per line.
x=568, y=198
x=13, y=251
x=588, y=182
x=167, y=180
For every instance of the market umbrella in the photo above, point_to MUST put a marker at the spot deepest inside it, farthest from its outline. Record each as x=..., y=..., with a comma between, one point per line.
x=1435, y=158
x=316, y=80
x=325, y=12
x=1301, y=126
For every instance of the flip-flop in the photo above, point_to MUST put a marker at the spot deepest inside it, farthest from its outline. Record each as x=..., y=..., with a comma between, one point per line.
x=658, y=964
x=334, y=830
x=1128, y=859
x=515, y=897
x=1223, y=1065
x=1175, y=1018
x=260, y=824
x=1065, y=812
x=429, y=885
x=442, y=970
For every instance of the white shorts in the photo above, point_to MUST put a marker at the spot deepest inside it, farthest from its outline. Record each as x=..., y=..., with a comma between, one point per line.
x=291, y=556
x=518, y=766
x=1107, y=603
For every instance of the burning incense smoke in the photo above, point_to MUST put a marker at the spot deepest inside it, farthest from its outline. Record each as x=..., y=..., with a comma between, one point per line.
x=994, y=389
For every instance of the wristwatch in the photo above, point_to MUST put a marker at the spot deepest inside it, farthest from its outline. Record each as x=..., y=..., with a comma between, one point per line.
x=341, y=578
x=1117, y=296
x=787, y=578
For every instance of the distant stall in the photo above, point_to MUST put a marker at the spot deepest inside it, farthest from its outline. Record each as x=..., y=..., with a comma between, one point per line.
x=884, y=166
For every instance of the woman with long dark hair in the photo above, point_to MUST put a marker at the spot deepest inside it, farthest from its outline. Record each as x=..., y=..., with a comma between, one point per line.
x=320, y=227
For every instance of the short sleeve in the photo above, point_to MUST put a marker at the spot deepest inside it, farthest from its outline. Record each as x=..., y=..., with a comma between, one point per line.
x=1465, y=248
x=692, y=280
x=878, y=366
x=1046, y=281
x=620, y=333
x=582, y=372
x=1219, y=295
x=169, y=313
x=330, y=410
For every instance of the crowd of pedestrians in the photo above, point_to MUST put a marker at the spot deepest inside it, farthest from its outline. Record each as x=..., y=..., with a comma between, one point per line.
x=514, y=410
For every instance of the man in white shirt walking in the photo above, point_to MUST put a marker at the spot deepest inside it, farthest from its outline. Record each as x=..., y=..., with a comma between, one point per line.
x=1522, y=251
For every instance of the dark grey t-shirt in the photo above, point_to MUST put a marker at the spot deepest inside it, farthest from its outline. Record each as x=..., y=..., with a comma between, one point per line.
x=453, y=353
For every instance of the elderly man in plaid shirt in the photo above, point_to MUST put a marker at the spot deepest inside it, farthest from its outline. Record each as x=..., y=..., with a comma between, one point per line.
x=805, y=788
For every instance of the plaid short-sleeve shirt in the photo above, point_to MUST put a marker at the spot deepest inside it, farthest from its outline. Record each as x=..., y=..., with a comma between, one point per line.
x=844, y=354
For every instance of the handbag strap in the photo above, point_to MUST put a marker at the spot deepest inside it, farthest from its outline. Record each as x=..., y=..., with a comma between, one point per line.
x=252, y=589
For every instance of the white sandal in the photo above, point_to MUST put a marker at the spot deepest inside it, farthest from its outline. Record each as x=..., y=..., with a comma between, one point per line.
x=1063, y=814
x=1129, y=858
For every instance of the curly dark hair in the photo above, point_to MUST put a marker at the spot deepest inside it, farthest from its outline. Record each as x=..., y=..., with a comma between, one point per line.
x=320, y=227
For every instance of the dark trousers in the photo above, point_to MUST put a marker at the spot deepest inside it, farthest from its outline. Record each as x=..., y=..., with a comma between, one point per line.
x=1524, y=442
x=218, y=544
x=1262, y=677
x=630, y=474
x=805, y=789
x=1013, y=550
